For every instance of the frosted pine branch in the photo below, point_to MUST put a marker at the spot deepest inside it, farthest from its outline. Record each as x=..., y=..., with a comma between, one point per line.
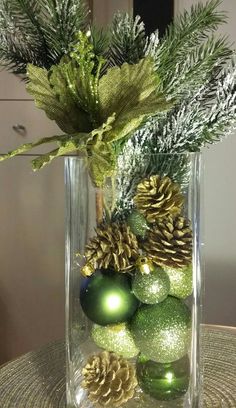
x=201, y=64
x=129, y=42
x=203, y=119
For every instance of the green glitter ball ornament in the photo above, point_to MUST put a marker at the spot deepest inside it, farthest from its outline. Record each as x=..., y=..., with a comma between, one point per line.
x=116, y=338
x=181, y=281
x=150, y=284
x=164, y=381
x=162, y=332
x=106, y=298
x=137, y=224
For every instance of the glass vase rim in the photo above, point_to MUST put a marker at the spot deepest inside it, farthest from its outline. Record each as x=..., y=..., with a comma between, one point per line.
x=82, y=157
x=184, y=154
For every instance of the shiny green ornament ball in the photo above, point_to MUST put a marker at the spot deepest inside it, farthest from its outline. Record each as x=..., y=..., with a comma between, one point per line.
x=181, y=281
x=153, y=287
x=162, y=332
x=116, y=338
x=137, y=224
x=106, y=298
x=164, y=382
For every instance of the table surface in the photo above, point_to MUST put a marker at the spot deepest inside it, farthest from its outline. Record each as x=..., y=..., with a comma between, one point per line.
x=37, y=379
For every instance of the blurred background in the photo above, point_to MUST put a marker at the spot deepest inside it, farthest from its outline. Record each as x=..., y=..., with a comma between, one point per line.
x=32, y=209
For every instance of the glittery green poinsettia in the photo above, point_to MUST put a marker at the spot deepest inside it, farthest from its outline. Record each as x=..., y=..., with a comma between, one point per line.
x=95, y=112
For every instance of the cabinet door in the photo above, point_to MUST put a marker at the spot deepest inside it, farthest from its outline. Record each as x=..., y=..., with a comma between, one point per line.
x=12, y=87
x=21, y=122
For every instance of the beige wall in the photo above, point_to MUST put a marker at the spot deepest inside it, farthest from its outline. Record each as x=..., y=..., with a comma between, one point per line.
x=103, y=10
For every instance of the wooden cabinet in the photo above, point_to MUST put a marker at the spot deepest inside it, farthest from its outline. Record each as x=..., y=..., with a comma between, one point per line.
x=21, y=122
x=12, y=87
x=31, y=256
x=32, y=229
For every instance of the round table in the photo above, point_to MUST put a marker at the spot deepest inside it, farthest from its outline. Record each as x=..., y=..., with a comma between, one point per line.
x=37, y=379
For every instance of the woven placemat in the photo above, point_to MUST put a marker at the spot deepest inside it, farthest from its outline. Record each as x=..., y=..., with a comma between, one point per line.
x=37, y=379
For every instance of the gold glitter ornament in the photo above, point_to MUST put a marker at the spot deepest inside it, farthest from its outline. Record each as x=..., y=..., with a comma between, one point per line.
x=169, y=242
x=116, y=338
x=109, y=379
x=158, y=197
x=162, y=332
x=114, y=246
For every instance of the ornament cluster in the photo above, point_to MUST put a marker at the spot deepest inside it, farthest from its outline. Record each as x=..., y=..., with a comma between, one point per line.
x=138, y=272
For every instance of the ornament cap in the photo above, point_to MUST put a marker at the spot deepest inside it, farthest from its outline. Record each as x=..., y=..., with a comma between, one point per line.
x=87, y=270
x=145, y=265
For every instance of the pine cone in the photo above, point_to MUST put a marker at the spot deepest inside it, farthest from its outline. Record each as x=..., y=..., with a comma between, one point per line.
x=114, y=246
x=158, y=197
x=169, y=243
x=109, y=379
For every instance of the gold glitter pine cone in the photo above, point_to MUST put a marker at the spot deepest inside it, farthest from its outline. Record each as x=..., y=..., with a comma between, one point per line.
x=158, y=197
x=169, y=242
x=114, y=246
x=109, y=379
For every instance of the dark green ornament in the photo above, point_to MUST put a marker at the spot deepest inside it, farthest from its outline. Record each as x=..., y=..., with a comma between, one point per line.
x=137, y=224
x=162, y=331
x=164, y=381
x=106, y=298
x=151, y=287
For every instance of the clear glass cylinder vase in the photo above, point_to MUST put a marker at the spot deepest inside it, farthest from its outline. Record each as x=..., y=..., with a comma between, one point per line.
x=133, y=284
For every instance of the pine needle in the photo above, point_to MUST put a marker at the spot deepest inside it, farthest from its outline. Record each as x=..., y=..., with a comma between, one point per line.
x=39, y=32
x=187, y=32
x=129, y=42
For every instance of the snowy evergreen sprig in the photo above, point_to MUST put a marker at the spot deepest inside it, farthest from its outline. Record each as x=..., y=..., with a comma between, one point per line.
x=202, y=119
x=187, y=32
x=129, y=42
x=39, y=32
x=204, y=62
x=160, y=147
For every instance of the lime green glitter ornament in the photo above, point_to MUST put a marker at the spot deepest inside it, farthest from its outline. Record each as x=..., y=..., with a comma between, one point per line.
x=164, y=381
x=162, y=332
x=150, y=284
x=181, y=281
x=116, y=338
x=137, y=224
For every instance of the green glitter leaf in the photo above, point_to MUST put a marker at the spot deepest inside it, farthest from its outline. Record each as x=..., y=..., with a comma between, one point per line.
x=69, y=146
x=68, y=92
x=28, y=146
x=101, y=159
x=101, y=155
x=131, y=92
x=51, y=93
x=73, y=94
